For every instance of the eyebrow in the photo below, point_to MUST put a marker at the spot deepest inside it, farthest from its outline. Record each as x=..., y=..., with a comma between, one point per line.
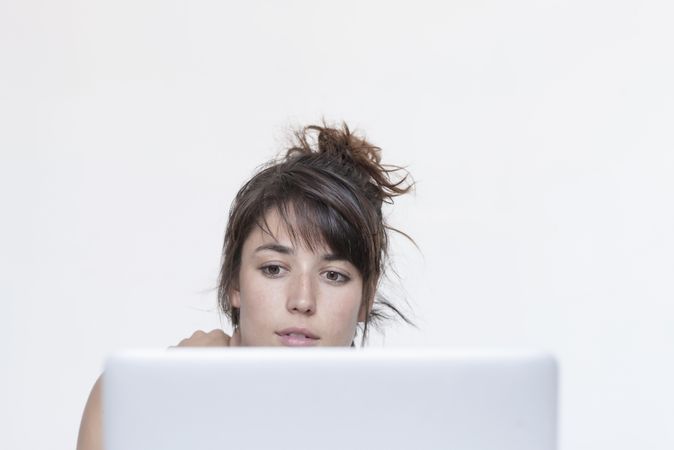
x=275, y=248
x=289, y=251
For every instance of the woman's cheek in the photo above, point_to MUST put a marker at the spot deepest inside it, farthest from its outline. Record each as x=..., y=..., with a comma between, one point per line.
x=257, y=310
x=344, y=320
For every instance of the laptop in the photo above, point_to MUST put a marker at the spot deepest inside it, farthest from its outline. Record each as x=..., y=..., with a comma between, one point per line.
x=330, y=399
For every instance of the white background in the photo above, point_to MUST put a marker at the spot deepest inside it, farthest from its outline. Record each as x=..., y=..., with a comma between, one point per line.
x=539, y=132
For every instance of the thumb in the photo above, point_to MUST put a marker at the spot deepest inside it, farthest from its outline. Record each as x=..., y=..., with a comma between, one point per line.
x=235, y=340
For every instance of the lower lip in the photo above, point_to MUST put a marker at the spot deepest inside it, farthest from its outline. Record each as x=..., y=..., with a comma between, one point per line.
x=296, y=341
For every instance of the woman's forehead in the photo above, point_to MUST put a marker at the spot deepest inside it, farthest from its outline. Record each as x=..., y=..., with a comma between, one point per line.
x=274, y=228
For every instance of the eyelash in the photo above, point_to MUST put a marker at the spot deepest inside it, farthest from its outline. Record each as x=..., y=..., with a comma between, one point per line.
x=342, y=278
x=265, y=270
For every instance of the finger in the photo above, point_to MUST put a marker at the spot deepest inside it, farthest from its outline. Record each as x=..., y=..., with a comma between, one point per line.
x=235, y=340
x=217, y=338
x=198, y=333
x=190, y=342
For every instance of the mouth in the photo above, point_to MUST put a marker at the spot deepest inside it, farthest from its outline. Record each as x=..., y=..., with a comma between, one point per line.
x=297, y=337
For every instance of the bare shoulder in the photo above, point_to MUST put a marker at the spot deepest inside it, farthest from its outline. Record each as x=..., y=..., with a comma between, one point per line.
x=90, y=436
x=91, y=427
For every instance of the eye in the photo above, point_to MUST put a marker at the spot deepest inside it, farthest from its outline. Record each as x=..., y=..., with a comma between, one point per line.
x=336, y=277
x=271, y=270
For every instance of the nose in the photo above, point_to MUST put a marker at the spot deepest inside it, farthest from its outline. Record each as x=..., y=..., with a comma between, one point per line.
x=302, y=295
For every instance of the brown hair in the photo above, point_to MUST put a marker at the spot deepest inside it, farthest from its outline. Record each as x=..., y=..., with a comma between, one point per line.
x=328, y=190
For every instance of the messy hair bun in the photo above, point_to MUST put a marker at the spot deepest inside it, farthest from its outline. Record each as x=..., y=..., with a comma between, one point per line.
x=359, y=158
x=328, y=188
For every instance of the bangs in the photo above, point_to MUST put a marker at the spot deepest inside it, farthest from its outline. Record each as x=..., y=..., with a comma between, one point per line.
x=315, y=225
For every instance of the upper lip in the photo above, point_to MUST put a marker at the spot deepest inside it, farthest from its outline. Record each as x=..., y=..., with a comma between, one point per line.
x=296, y=330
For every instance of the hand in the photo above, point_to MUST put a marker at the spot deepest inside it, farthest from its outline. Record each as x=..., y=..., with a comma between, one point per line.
x=214, y=338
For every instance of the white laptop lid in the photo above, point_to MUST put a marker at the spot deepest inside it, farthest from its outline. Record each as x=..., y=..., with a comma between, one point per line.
x=329, y=398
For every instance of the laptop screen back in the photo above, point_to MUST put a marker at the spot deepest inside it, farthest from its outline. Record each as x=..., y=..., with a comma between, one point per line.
x=301, y=399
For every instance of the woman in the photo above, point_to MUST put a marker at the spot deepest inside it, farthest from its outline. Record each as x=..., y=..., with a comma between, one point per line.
x=304, y=250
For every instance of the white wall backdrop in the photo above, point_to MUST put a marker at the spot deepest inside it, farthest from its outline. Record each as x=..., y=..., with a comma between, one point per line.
x=539, y=132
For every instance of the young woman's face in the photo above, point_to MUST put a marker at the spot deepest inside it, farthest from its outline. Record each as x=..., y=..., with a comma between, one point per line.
x=290, y=296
